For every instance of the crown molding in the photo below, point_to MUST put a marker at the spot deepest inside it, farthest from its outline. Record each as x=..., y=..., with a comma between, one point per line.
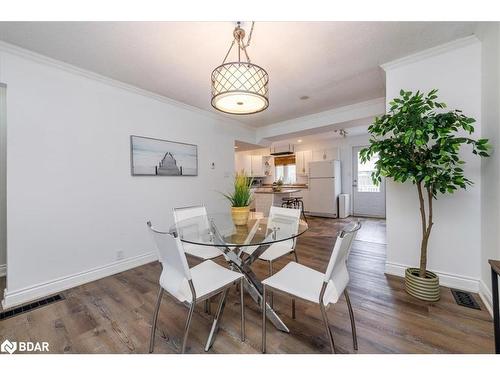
x=43, y=59
x=434, y=51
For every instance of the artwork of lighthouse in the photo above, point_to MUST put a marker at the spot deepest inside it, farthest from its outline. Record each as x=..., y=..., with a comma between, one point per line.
x=158, y=157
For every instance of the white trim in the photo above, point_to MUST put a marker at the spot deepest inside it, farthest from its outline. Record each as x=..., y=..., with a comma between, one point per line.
x=30, y=55
x=449, y=280
x=57, y=285
x=352, y=112
x=3, y=270
x=485, y=294
x=456, y=44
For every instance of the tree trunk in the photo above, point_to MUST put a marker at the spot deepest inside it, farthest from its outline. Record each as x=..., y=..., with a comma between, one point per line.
x=426, y=226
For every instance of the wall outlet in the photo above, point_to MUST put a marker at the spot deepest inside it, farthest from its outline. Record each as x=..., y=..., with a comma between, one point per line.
x=120, y=255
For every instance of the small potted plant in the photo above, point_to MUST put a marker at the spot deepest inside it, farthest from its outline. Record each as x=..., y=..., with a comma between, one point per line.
x=278, y=185
x=418, y=141
x=240, y=198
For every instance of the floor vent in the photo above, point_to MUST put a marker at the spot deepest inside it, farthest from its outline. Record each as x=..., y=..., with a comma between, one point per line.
x=465, y=299
x=30, y=306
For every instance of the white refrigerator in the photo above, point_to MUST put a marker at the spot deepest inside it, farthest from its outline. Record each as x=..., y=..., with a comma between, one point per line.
x=324, y=188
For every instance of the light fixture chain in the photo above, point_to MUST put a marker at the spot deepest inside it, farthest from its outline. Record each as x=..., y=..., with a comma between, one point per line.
x=228, y=51
x=249, y=36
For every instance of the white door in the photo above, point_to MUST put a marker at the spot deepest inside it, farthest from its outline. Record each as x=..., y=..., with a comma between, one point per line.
x=368, y=198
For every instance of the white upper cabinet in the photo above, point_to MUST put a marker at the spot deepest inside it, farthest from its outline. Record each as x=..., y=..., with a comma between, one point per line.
x=325, y=154
x=254, y=165
x=302, y=159
x=243, y=162
x=257, y=166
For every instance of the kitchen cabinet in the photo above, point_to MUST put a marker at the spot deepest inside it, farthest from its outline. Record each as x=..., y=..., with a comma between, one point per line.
x=243, y=162
x=254, y=165
x=325, y=154
x=302, y=159
x=257, y=164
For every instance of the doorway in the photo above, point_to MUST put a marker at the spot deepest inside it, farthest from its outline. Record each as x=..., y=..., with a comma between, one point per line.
x=368, y=198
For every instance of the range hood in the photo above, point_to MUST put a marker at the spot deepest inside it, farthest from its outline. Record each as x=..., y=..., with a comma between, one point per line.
x=281, y=150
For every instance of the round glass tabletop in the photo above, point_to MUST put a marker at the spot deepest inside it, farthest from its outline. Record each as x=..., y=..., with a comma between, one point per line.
x=219, y=230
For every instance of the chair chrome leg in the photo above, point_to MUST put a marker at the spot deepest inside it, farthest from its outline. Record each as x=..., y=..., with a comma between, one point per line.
x=301, y=204
x=264, y=320
x=242, y=302
x=216, y=321
x=353, y=323
x=186, y=329
x=155, y=318
x=271, y=297
x=327, y=326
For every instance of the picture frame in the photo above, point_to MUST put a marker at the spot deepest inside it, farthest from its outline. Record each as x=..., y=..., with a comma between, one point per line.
x=161, y=157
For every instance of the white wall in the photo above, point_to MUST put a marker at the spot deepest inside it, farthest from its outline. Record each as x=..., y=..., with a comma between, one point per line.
x=489, y=34
x=3, y=185
x=72, y=203
x=455, y=243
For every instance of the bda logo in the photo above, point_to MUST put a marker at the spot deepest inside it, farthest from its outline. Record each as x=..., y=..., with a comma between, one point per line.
x=8, y=347
x=24, y=346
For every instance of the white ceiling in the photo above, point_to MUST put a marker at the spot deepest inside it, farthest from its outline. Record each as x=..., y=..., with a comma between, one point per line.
x=334, y=63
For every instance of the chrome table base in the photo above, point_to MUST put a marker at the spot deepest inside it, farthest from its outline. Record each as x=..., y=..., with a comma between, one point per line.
x=252, y=285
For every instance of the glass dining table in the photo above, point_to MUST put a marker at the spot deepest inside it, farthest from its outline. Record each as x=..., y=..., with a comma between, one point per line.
x=241, y=245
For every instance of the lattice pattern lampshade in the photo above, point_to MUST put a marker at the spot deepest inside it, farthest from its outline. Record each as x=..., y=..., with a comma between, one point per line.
x=240, y=88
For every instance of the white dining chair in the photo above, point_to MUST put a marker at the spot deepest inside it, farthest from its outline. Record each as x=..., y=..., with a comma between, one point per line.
x=190, y=286
x=285, y=219
x=200, y=212
x=310, y=285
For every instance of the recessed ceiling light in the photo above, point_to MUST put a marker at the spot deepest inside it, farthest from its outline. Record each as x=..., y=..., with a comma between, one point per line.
x=299, y=140
x=304, y=97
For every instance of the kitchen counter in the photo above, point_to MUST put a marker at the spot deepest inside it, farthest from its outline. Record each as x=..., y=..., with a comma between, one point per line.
x=270, y=191
x=288, y=186
x=266, y=197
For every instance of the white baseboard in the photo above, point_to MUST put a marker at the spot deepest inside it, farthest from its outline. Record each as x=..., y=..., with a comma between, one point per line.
x=449, y=280
x=486, y=296
x=3, y=270
x=16, y=297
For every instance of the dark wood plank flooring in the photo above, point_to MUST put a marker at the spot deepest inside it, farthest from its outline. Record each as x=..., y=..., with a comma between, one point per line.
x=112, y=315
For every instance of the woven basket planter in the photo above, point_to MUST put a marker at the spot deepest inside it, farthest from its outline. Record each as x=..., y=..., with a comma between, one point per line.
x=424, y=288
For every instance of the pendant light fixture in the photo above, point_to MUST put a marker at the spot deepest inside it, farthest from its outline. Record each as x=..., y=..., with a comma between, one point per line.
x=240, y=87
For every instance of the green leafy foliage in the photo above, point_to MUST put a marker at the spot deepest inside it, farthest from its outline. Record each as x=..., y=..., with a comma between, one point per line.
x=418, y=141
x=241, y=196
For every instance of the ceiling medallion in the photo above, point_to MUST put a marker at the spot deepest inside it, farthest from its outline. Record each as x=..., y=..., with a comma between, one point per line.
x=240, y=87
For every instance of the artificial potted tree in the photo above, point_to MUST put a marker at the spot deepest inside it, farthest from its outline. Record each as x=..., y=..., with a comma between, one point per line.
x=418, y=141
x=240, y=198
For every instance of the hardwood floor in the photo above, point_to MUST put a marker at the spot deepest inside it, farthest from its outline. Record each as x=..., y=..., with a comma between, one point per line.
x=112, y=315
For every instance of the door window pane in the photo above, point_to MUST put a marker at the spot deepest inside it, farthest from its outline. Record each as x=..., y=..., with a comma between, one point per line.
x=365, y=183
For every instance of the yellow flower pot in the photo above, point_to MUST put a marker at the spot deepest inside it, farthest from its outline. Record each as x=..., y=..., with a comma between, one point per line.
x=240, y=215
